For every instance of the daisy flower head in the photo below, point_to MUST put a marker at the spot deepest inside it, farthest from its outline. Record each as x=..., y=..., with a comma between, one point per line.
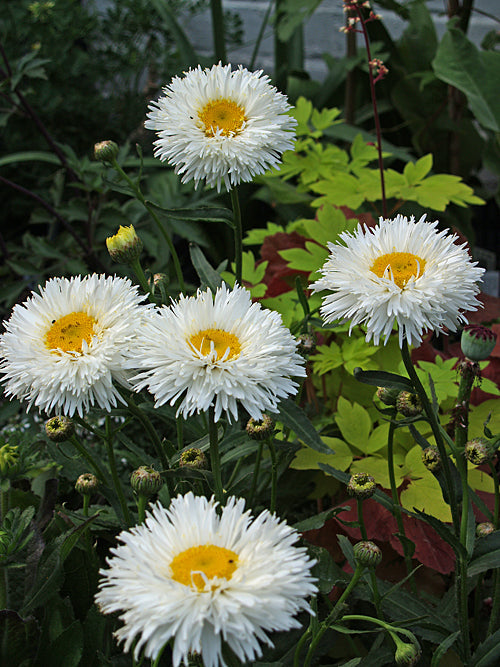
x=217, y=350
x=63, y=348
x=221, y=126
x=401, y=272
x=199, y=577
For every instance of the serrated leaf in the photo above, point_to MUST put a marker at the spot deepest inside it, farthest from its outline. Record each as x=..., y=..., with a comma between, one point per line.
x=207, y=274
x=487, y=654
x=354, y=422
x=340, y=456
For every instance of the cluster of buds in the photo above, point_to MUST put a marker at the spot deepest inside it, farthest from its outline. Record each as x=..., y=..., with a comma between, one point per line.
x=260, y=430
x=59, y=429
x=477, y=342
x=378, y=69
x=146, y=481
x=484, y=529
x=86, y=484
x=431, y=458
x=367, y=553
x=193, y=458
x=355, y=7
x=125, y=246
x=408, y=404
x=361, y=485
x=479, y=451
x=388, y=395
x=407, y=654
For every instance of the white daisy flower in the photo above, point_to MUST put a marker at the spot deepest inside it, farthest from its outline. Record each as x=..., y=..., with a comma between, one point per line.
x=402, y=272
x=62, y=348
x=200, y=578
x=221, y=126
x=217, y=350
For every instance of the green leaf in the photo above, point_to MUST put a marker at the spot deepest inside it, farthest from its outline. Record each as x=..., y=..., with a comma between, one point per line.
x=459, y=63
x=207, y=274
x=200, y=214
x=29, y=156
x=311, y=258
x=291, y=14
x=187, y=53
x=340, y=456
x=487, y=654
x=485, y=562
x=354, y=422
x=327, y=358
x=383, y=379
x=318, y=520
x=67, y=648
x=294, y=418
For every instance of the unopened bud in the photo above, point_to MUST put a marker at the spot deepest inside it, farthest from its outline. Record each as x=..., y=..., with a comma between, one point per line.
x=484, y=529
x=146, y=481
x=478, y=342
x=125, y=246
x=361, y=485
x=86, y=484
x=193, y=458
x=431, y=458
x=388, y=395
x=367, y=553
x=407, y=654
x=479, y=451
x=60, y=428
x=105, y=151
x=306, y=344
x=260, y=430
x=9, y=459
x=408, y=404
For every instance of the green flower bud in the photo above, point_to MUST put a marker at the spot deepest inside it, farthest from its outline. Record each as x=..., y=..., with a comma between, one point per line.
x=484, y=529
x=9, y=459
x=146, y=481
x=193, y=458
x=361, y=485
x=367, y=553
x=407, y=654
x=479, y=451
x=86, y=484
x=387, y=395
x=306, y=344
x=431, y=458
x=125, y=246
x=59, y=429
x=105, y=151
x=408, y=404
x=260, y=430
x=477, y=342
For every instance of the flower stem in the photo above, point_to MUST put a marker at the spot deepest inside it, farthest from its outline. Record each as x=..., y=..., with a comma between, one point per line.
x=114, y=473
x=215, y=455
x=141, y=502
x=274, y=474
x=256, y=471
x=238, y=235
x=496, y=575
x=137, y=269
x=373, y=576
x=140, y=197
x=218, y=30
x=90, y=459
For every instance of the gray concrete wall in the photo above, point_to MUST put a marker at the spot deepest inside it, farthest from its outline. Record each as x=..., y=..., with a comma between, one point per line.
x=321, y=31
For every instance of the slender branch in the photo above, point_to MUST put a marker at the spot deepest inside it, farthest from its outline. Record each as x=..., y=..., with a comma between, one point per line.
x=218, y=30
x=238, y=236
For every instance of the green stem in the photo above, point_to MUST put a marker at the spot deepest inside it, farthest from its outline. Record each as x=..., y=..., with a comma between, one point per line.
x=256, y=470
x=373, y=576
x=179, y=422
x=141, y=277
x=4, y=595
x=215, y=455
x=140, y=197
x=263, y=25
x=114, y=473
x=238, y=235
x=496, y=483
x=274, y=474
x=395, y=499
x=90, y=459
x=436, y=430
x=333, y=614
x=234, y=473
x=496, y=575
x=218, y=31
x=141, y=501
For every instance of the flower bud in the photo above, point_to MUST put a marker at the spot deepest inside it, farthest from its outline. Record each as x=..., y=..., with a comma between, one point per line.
x=9, y=459
x=125, y=246
x=105, y=151
x=86, y=484
x=59, y=429
x=388, y=395
x=146, y=481
x=260, y=430
x=477, y=342
x=479, y=451
x=407, y=654
x=367, y=553
x=306, y=344
x=408, y=404
x=431, y=458
x=484, y=529
x=193, y=458
x=361, y=485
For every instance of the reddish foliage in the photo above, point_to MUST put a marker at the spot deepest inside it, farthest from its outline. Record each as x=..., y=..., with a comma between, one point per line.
x=278, y=277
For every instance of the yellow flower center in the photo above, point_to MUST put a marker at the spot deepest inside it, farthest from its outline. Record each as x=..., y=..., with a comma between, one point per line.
x=398, y=266
x=68, y=332
x=222, y=342
x=224, y=115
x=190, y=565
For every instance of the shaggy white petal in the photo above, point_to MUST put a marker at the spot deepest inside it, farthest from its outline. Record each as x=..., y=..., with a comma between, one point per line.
x=258, y=377
x=433, y=300
x=265, y=592
x=222, y=158
x=70, y=382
